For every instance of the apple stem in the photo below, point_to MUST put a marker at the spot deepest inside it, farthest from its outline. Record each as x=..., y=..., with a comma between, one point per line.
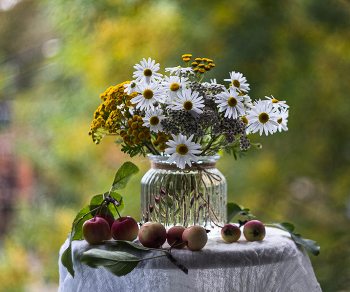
x=171, y=258
x=181, y=267
x=173, y=244
x=179, y=243
x=163, y=255
x=116, y=209
x=98, y=210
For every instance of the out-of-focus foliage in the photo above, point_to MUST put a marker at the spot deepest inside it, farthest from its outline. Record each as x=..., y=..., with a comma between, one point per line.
x=297, y=51
x=14, y=267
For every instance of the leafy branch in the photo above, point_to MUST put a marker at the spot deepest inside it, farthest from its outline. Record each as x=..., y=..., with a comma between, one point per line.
x=233, y=210
x=110, y=203
x=119, y=261
x=311, y=246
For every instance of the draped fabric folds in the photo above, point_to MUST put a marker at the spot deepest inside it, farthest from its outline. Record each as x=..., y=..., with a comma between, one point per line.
x=275, y=264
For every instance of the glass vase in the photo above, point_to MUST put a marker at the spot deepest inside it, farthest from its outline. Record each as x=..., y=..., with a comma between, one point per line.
x=196, y=195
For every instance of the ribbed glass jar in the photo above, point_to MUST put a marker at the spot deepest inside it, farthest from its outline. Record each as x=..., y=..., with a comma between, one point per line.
x=193, y=196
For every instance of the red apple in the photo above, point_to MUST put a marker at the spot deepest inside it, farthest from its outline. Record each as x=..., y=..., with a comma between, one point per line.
x=125, y=228
x=95, y=230
x=175, y=234
x=230, y=233
x=195, y=237
x=108, y=218
x=254, y=231
x=152, y=234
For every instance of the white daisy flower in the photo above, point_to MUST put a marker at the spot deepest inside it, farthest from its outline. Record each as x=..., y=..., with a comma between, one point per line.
x=182, y=150
x=263, y=117
x=213, y=81
x=146, y=72
x=247, y=101
x=283, y=120
x=276, y=103
x=130, y=87
x=189, y=101
x=149, y=93
x=173, y=84
x=238, y=81
x=231, y=103
x=177, y=70
x=153, y=118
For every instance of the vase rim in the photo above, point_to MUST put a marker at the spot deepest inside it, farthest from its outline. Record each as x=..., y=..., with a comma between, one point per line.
x=164, y=158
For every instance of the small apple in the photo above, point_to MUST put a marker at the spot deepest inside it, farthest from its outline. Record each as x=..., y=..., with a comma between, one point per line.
x=175, y=234
x=254, y=230
x=152, y=234
x=195, y=237
x=125, y=228
x=108, y=218
x=230, y=233
x=95, y=230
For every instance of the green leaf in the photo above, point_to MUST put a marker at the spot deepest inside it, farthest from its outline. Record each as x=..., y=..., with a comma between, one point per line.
x=67, y=259
x=286, y=226
x=97, y=200
x=124, y=245
x=118, y=141
x=232, y=210
x=130, y=245
x=117, y=262
x=76, y=233
x=310, y=245
x=124, y=174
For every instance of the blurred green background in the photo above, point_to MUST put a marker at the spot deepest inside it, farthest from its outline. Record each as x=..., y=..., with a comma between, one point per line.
x=57, y=56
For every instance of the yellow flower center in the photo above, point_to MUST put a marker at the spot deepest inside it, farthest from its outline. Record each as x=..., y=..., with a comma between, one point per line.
x=188, y=105
x=182, y=149
x=236, y=83
x=147, y=72
x=174, y=86
x=279, y=121
x=245, y=120
x=264, y=118
x=148, y=94
x=275, y=100
x=154, y=121
x=232, y=102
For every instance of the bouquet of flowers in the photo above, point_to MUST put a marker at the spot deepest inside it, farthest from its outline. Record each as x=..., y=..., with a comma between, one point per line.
x=179, y=115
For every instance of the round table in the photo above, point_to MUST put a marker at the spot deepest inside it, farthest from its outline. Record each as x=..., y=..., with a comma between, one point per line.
x=274, y=264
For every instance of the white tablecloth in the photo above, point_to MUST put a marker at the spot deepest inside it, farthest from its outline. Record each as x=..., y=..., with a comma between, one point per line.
x=275, y=264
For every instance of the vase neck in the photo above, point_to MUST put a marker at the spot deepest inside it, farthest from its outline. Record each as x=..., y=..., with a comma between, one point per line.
x=201, y=159
x=194, y=167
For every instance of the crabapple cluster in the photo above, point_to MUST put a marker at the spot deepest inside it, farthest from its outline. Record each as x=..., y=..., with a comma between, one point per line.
x=253, y=230
x=104, y=227
x=153, y=235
